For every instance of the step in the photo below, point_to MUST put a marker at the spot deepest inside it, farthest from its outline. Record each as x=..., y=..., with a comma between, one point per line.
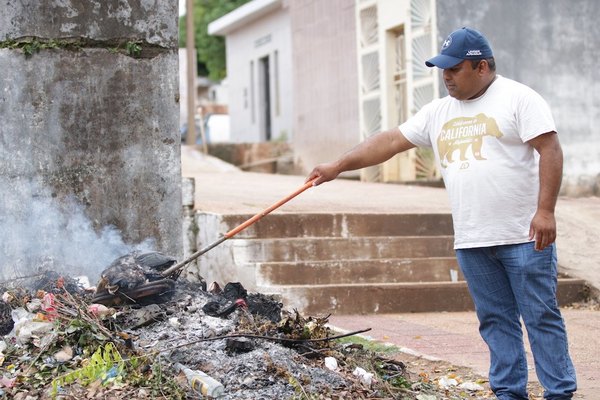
x=354, y=248
x=286, y=225
x=390, y=270
x=387, y=298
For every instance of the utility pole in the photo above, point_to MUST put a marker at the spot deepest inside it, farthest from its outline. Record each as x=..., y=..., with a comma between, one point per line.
x=191, y=73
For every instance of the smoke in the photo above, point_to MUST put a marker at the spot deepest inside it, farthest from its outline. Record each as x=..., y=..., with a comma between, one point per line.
x=39, y=231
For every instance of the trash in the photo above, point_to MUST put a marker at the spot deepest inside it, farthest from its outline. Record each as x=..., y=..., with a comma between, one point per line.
x=133, y=277
x=48, y=306
x=174, y=322
x=6, y=321
x=101, y=311
x=331, y=363
x=201, y=382
x=471, y=386
x=235, y=297
x=215, y=289
x=427, y=397
x=447, y=382
x=7, y=297
x=64, y=355
x=239, y=345
x=110, y=375
x=453, y=275
x=51, y=281
x=217, y=309
x=34, y=305
x=132, y=270
x=156, y=292
x=26, y=326
x=145, y=316
x=7, y=382
x=258, y=352
x=84, y=282
x=364, y=376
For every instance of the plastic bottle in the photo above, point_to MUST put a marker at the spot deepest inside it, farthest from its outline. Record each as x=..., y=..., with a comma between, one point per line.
x=202, y=383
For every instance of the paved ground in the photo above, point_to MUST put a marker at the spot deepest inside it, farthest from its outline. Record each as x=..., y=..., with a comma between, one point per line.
x=452, y=337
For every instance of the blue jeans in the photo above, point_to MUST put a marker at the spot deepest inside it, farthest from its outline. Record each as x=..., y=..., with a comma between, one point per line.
x=506, y=283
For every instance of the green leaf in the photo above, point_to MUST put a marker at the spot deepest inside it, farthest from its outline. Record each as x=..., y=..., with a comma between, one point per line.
x=210, y=49
x=133, y=49
x=103, y=360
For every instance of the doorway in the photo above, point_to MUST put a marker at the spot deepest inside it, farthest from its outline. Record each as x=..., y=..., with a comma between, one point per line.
x=264, y=85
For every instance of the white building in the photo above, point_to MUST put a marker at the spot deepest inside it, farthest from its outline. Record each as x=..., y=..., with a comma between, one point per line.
x=259, y=71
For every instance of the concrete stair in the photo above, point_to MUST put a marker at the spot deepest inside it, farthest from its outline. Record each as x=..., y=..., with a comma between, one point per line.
x=346, y=263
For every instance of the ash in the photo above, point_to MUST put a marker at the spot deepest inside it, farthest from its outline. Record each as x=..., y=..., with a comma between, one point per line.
x=263, y=372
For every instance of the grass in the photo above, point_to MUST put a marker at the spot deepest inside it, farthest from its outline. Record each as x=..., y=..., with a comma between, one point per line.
x=371, y=345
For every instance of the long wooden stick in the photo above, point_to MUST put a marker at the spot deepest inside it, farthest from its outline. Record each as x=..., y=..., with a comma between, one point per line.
x=238, y=228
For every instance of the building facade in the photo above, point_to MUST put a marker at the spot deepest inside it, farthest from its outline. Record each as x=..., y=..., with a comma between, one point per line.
x=355, y=67
x=258, y=50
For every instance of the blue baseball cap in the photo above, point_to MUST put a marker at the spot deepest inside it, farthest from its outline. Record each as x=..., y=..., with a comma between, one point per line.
x=462, y=44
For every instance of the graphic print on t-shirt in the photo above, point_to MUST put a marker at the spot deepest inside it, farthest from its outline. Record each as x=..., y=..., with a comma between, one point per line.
x=463, y=133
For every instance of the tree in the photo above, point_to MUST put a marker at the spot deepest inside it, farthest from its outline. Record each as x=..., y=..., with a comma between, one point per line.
x=210, y=49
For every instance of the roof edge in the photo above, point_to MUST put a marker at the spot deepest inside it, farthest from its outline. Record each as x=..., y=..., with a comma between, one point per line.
x=242, y=16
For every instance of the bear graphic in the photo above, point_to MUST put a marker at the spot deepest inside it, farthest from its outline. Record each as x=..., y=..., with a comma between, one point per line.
x=464, y=132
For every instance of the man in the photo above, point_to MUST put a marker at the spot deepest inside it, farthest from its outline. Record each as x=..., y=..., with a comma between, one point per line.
x=487, y=136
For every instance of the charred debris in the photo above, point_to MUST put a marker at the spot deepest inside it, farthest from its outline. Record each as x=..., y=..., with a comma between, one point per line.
x=140, y=335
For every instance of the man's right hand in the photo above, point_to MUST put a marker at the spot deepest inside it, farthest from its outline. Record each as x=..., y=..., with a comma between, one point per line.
x=324, y=173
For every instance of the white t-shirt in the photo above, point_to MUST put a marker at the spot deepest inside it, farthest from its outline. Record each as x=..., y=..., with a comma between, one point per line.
x=490, y=172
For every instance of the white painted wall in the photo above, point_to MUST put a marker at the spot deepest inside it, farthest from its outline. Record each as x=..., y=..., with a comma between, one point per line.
x=551, y=46
x=325, y=80
x=218, y=93
x=265, y=36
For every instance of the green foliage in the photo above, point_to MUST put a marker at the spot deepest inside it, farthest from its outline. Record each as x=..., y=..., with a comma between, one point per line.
x=370, y=345
x=161, y=384
x=301, y=394
x=106, y=363
x=84, y=334
x=211, y=49
x=108, y=366
x=396, y=380
x=297, y=384
x=369, y=355
x=133, y=49
x=154, y=379
x=30, y=46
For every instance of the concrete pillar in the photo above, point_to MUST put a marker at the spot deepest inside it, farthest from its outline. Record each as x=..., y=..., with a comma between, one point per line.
x=190, y=229
x=90, y=148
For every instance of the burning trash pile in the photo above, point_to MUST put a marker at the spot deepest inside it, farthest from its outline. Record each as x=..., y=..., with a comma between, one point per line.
x=179, y=340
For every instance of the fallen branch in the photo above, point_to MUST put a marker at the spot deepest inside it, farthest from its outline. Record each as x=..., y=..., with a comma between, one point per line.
x=275, y=339
x=81, y=311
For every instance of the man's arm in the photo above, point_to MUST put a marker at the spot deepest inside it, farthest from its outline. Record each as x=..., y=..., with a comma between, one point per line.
x=375, y=150
x=543, y=224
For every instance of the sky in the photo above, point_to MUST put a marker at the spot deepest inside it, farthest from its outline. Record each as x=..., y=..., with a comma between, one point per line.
x=181, y=7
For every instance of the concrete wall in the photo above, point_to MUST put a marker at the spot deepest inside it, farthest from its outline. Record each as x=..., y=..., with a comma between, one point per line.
x=325, y=79
x=551, y=46
x=260, y=38
x=90, y=145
